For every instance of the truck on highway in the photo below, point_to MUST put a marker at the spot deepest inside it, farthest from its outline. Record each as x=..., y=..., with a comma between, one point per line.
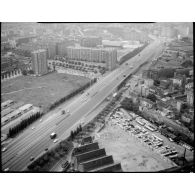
x=53, y=135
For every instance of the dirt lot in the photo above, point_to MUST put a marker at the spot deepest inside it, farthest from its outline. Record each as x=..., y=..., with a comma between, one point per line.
x=134, y=157
x=40, y=91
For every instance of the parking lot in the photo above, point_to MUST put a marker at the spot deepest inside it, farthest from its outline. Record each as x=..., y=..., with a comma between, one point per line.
x=138, y=146
x=148, y=134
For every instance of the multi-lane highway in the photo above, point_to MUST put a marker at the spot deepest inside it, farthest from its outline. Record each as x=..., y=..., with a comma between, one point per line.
x=19, y=152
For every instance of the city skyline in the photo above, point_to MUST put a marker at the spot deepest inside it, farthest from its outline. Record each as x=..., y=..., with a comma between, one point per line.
x=97, y=97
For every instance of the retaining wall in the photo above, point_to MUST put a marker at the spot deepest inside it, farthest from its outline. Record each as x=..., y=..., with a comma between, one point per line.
x=94, y=164
x=110, y=168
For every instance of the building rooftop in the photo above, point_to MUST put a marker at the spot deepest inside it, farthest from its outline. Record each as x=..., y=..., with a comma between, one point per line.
x=26, y=106
x=91, y=48
x=162, y=104
x=6, y=103
x=147, y=100
x=39, y=50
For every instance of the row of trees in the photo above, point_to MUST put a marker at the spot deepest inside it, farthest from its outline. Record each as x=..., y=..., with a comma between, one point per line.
x=181, y=136
x=76, y=132
x=83, y=131
x=132, y=54
x=100, y=117
x=128, y=104
x=72, y=94
x=123, y=83
x=46, y=160
x=21, y=126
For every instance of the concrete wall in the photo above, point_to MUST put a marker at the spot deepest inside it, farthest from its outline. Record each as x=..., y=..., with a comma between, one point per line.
x=88, y=156
x=110, y=168
x=93, y=164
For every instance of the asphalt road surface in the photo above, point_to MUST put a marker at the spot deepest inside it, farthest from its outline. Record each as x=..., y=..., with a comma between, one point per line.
x=20, y=151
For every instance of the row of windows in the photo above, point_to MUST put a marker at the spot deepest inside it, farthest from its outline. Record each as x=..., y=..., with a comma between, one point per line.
x=16, y=115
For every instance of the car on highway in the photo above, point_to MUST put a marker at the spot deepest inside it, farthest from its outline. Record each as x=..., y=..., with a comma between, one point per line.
x=32, y=158
x=40, y=119
x=4, y=149
x=6, y=170
x=33, y=128
x=63, y=112
x=46, y=149
x=124, y=75
x=55, y=140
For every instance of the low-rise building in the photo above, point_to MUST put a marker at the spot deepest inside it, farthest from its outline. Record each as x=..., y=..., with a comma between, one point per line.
x=186, y=118
x=146, y=103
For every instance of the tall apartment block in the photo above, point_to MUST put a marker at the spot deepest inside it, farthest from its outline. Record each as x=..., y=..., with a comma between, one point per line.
x=39, y=62
x=99, y=55
x=62, y=47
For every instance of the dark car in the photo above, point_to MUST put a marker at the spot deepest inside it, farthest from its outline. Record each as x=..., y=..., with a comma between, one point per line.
x=32, y=158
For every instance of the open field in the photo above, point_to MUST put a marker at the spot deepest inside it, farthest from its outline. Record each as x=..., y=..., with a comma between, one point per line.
x=40, y=91
x=134, y=156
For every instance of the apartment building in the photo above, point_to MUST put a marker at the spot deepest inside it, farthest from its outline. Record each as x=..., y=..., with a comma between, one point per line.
x=99, y=55
x=39, y=62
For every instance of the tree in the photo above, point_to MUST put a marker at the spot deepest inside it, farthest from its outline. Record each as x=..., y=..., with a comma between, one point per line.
x=31, y=72
x=152, y=97
x=127, y=104
x=24, y=72
x=72, y=135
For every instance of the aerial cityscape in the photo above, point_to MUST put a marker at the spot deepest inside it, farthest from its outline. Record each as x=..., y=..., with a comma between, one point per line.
x=97, y=97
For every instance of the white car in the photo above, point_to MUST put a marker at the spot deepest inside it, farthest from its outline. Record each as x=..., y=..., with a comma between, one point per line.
x=33, y=128
x=4, y=149
x=171, y=140
x=40, y=119
x=6, y=170
x=55, y=140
